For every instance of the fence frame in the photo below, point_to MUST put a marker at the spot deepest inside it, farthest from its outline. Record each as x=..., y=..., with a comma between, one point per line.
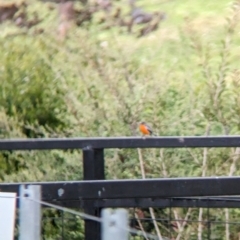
x=95, y=193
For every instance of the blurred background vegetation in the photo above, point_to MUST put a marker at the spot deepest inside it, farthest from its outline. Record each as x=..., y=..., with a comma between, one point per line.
x=90, y=68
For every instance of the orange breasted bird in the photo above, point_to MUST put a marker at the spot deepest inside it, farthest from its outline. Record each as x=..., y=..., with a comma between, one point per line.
x=145, y=129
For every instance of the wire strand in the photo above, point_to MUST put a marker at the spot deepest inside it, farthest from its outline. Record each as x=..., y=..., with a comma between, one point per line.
x=85, y=216
x=93, y=218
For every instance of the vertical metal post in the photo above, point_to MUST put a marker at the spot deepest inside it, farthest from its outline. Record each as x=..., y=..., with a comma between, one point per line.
x=93, y=169
x=30, y=212
x=115, y=224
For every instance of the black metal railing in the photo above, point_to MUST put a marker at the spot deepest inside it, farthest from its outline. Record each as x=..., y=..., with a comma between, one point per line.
x=95, y=193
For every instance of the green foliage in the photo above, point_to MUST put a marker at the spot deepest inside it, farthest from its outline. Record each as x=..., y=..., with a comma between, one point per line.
x=28, y=89
x=57, y=225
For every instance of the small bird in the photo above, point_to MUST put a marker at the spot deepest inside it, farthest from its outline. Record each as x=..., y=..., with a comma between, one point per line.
x=145, y=129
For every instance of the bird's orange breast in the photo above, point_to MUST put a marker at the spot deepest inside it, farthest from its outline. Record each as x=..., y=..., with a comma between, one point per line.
x=144, y=129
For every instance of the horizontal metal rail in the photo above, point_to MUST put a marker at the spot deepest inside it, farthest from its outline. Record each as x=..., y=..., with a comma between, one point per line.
x=200, y=202
x=123, y=189
x=119, y=142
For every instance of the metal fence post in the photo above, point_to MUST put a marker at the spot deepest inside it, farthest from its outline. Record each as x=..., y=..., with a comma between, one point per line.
x=93, y=169
x=30, y=212
x=114, y=224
